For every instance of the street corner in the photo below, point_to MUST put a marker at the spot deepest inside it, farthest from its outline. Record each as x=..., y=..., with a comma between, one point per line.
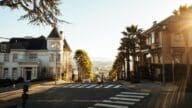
x=145, y=90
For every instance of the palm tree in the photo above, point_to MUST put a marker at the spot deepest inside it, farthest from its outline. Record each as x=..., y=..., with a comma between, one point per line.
x=133, y=39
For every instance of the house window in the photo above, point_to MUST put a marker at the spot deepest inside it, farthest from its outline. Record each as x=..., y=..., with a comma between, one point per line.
x=32, y=56
x=51, y=69
x=58, y=69
x=6, y=57
x=156, y=59
x=58, y=72
x=14, y=73
x=15, y=56
x=50, y=74
x=153, y=37
x=34, y=72
x=5, y=73
x=149, y=40
x=51, y=57
x=156, y=37
x=58, y=58
x=1, y=73
x=178, y=59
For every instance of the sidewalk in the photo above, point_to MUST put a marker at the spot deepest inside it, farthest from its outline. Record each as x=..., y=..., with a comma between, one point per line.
x=32, y=84
x=150, y=86
x=158, y=93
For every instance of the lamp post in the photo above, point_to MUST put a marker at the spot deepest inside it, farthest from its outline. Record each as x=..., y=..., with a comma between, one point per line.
x=148, y=56
x=163, y=71
x=173, y=71
x=137, y=69
x=55, y=68
x=125, y=65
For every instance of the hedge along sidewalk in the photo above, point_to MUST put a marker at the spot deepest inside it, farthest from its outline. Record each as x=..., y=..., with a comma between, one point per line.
x=20, y=86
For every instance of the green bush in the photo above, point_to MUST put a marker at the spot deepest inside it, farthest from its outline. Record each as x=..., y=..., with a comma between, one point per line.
x=5, y=82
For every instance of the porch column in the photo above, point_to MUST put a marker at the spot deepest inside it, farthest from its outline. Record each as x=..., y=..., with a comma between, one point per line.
x=36, y=71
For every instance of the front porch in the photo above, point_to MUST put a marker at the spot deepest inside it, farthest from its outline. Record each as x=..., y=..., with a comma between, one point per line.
x=29, y=70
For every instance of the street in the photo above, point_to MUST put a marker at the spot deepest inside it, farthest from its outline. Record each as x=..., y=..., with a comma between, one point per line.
x=80, y=96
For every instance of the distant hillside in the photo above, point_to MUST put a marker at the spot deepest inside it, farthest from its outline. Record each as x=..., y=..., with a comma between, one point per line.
x=102, y=63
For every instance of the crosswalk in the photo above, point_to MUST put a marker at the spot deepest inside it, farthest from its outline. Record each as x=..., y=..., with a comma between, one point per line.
x=92, y=85
x=122, y=100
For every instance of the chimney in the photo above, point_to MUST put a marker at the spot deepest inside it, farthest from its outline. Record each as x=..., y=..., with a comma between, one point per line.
x=154, y=23
x=61, y=34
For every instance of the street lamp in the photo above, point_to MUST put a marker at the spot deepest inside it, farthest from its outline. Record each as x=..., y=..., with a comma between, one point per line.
x=55, y=68
x=148, y=56
x=125, y=69
x=163, y=71
x=173, y=70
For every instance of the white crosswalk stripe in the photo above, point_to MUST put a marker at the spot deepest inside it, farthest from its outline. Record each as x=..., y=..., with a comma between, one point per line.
x=68, y=85
x=99, y=86
x=117, y=86
x=130, y=96
x=92, y=86
x=76, y=85
x=121, y=100
x=109, y=86
x=110, y=106
x=135, y=93
x=84, y=85
x=125, y=99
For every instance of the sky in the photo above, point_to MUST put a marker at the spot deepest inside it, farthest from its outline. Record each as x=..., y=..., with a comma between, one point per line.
x=96, y=25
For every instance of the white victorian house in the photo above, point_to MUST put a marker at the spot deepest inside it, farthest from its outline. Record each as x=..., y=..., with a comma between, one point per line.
x=34, y=58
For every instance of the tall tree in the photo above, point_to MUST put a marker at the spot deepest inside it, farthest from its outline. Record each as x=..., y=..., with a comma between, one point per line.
x=116, y=71
x=84, y=65
x=133, y=40
x=37, y=11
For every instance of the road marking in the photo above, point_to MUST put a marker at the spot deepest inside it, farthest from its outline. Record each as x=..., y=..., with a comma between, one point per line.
x=110, y=106
x=68, y=85
x=91, y=86
x=108, y=86
x=117, y=86
x=75, y=85
x=119, y=102
x=84, y=85
x=99, y=86
x=135, y=93
x=124, y=99
x=130, y=96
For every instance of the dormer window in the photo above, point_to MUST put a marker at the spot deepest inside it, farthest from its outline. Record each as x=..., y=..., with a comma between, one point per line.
x=15, y=57
x=55, y=44
x=6, y=57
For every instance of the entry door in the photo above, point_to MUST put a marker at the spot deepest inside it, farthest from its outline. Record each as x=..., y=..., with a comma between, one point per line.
x=28, y=75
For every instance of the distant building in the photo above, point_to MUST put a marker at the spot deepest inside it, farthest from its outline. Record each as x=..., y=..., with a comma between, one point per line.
x=168, y=49
x=34, y=58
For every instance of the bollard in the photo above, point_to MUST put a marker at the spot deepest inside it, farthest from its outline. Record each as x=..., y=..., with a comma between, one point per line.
x=25, y=95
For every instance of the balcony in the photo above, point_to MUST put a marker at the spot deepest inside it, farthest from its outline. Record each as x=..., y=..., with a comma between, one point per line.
x=156, y=46
x=29, y=61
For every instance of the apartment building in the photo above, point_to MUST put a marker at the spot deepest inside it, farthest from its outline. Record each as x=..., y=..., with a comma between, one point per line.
x=169, y=49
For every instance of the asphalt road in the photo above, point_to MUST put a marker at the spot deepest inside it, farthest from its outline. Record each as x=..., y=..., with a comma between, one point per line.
x=61, y=96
